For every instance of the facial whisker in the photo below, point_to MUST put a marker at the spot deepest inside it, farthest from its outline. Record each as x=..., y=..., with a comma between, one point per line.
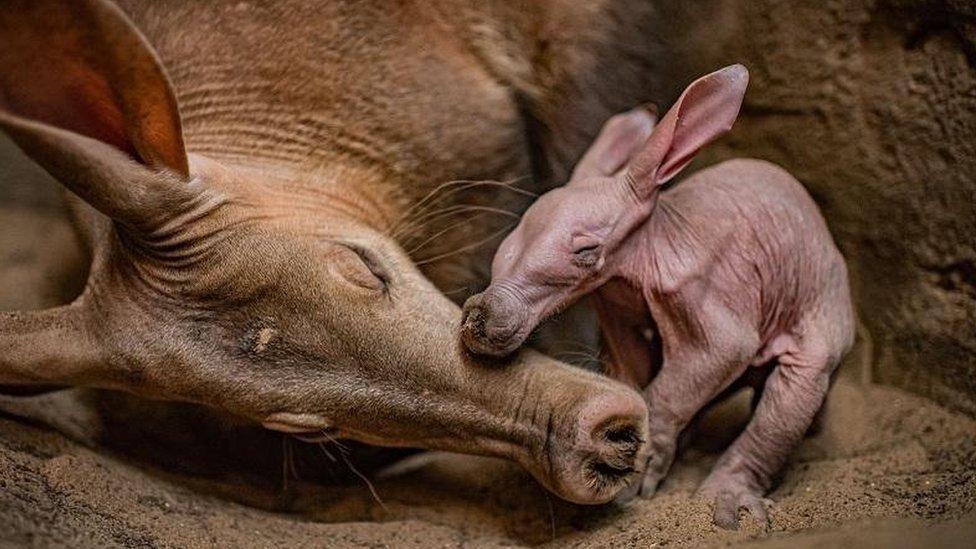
x=419, y=209
x=366, y=481
x=467, y=184
x=469, y=247
x=445, y=292
x=442, y=232
x=587, y=358
x=406, y=215
x=456, y=209
x=327, y=453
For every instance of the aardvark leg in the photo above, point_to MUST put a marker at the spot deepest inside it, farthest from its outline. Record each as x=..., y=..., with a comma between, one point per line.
x=793, y=394
x=696, y=368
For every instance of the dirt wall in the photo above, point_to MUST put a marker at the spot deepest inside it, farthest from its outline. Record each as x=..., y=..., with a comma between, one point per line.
x=872, y=104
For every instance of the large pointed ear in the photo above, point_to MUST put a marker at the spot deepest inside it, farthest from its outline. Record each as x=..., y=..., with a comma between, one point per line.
x=84, y=95
x=705, y=111
x=619, y=139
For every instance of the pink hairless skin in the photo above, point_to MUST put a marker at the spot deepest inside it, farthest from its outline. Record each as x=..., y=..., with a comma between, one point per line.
x=732, y=268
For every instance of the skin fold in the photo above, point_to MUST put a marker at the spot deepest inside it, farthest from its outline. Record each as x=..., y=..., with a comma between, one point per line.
x=246, y=189
x=730, y=269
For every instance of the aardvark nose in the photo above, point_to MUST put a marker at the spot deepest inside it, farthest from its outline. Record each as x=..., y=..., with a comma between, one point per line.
x=489, y=326
x=611, y=434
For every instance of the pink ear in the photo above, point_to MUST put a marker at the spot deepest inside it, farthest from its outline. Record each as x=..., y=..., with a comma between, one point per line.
x=706, y=110
x=620, y=138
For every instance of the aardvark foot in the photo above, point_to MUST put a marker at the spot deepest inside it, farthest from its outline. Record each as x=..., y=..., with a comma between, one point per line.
x=729, y=498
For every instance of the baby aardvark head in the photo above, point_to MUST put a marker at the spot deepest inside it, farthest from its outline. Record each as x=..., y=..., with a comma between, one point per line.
x=564, y=246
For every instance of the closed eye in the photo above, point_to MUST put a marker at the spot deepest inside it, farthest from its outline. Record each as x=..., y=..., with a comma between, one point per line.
x=373, y=263
x=360, y=266
x=586, y=256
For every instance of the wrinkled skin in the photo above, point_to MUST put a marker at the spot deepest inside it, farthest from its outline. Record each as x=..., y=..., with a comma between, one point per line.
x=226, y=273
x=732, y=268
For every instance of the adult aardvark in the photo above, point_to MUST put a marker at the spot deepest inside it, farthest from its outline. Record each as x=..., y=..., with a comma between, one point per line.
x=243, y=185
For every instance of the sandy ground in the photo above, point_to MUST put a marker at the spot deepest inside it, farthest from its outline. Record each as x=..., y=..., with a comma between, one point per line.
x=889, y=468
x=882, y=455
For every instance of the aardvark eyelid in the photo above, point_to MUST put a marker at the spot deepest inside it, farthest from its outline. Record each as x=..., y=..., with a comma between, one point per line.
x=367, y=271
x=373, y=263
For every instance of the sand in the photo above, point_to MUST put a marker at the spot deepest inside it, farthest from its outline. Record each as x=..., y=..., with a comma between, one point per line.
x=882, y=455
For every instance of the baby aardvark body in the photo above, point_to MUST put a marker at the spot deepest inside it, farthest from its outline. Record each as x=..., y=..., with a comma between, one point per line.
x=732, y=268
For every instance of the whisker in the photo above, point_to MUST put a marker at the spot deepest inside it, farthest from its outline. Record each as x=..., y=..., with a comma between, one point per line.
x=332, y=458
x=343, y=449
x=440, y=233
x=456, y=209
x=586, y=356
x=505, y=185
x=455, y=291
x=469, y=247
x=292, y=464
x=333, y=440
x=438, y=292
x=419, y=207
x=328, y=454
x=425, y=198
x=417, y=210
x=409, y=230
x=369, y=485
x=342, y=453
x=577, y=353
x=466, y=184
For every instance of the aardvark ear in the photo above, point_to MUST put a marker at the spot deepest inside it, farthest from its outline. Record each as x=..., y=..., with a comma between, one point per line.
x=620, y=138
x=705, y=111
x=84, y=95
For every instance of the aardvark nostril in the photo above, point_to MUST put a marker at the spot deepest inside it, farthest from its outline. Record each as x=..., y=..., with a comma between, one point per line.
x=474, y=320
x=614, y=426
x=473, y=317
x=619, y=443
x=624, y=435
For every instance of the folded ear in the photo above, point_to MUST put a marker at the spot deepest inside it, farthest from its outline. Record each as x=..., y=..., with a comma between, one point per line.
x=84, y=95
x=620, y=137
x=705, y=111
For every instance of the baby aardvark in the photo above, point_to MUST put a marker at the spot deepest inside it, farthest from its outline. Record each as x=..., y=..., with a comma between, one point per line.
x=732, y=268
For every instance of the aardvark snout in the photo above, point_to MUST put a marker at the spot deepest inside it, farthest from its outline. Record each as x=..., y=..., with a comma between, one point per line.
x=610, y=447
x=493, y=324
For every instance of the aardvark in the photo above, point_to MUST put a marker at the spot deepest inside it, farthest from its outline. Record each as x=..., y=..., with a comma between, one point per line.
x=242, y=205
x=733, y=267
